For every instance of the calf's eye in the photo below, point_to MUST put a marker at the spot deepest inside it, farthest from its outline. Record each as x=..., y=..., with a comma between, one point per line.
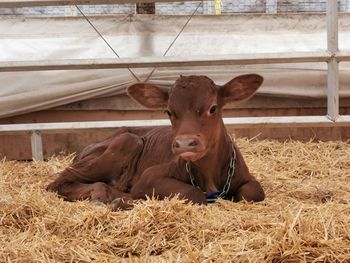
x=213, y=109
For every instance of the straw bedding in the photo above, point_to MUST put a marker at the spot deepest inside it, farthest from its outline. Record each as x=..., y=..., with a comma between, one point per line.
x=305, y=217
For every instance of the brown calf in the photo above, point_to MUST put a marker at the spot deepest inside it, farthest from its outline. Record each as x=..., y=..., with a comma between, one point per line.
x=194, y=158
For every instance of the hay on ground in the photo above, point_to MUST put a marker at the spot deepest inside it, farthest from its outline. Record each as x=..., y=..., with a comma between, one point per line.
x=305, y=217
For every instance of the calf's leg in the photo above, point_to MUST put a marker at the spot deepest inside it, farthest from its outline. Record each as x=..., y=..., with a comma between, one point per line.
x=89, y=177
x=156, y=181
x=251, y=192
x=98, y=191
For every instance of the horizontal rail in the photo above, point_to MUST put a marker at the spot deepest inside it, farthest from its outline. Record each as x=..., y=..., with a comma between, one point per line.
x=287, y=121
x=32, y=3
x=142, y=62
x=240, y=122
x=80, y=125
x=343, y=55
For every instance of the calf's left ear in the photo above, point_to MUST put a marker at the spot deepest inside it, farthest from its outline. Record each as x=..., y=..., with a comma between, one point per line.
x=149, y=95
x=241, y=88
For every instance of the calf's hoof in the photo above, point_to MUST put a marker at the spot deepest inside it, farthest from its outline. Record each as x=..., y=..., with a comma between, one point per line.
x=98, y=203
x=121, y=204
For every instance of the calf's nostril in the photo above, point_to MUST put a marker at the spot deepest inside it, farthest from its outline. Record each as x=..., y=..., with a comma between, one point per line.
x=193, y=143
x=176, y=144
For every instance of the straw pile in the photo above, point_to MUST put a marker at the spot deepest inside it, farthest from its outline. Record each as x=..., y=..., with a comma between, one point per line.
x=305, y=218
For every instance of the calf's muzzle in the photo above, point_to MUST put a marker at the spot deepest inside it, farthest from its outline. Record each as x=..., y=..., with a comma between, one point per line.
x=189, y=147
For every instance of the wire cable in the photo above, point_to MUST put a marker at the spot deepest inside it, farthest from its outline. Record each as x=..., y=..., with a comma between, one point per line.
x=111, y=48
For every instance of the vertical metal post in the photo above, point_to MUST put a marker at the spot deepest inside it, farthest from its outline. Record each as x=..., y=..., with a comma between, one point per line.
x=37, y=146
x=333, y=65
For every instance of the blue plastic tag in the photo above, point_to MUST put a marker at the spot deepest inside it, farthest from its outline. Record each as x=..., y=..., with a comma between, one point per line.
x=211, y=198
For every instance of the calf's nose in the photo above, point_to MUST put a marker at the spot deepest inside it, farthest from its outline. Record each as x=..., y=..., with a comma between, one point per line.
x=185, y=144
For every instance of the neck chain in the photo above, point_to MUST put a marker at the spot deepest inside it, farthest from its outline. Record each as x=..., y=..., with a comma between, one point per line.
x=231, y=170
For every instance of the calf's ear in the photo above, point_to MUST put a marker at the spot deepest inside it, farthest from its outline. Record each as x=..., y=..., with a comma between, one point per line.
x=241, y=88
x=149, y=95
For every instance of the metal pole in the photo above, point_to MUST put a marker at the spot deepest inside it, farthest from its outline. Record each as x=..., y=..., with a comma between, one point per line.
x=242, y=122
x=333, y=64
x=37, y=146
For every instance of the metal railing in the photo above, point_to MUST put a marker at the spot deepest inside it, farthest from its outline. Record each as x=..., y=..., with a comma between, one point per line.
x=332, y=56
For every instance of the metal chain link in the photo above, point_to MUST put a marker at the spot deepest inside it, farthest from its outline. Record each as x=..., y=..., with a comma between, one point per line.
x=188, y=169
x=230, y=173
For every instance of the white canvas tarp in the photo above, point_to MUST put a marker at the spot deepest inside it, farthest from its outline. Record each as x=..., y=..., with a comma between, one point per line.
x=31, y=39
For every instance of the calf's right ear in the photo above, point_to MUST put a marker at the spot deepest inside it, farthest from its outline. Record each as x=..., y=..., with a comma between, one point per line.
x=149, y=95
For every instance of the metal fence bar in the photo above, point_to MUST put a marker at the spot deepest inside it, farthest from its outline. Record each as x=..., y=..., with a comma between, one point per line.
x=239, y=122
x=342, y=55
x=333, y=64
x=80, y=125
x=142, y=62
x=287, y=121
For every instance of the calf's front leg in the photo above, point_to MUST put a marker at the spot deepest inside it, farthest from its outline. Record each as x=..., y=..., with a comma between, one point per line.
x=157, y=181
x=251, y=192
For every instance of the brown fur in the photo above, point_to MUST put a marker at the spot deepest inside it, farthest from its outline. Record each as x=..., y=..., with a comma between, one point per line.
x=138, y=162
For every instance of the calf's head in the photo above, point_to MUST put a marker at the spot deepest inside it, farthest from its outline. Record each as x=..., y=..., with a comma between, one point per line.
x=194, y=105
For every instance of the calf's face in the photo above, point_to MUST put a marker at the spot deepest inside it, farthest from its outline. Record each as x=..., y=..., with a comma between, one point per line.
x=194, y=105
